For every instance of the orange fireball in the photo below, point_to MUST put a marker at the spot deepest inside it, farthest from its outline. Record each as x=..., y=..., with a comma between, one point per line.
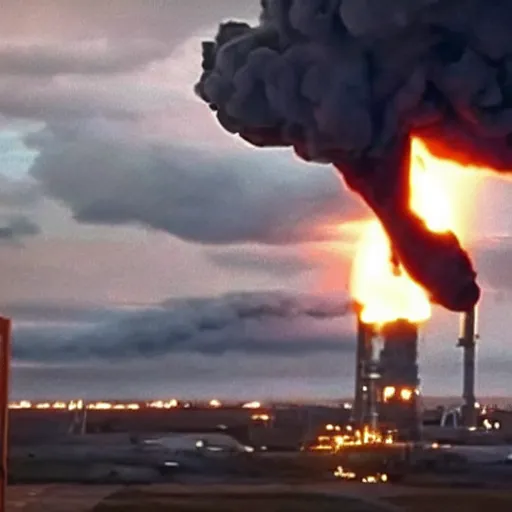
x=386, y=292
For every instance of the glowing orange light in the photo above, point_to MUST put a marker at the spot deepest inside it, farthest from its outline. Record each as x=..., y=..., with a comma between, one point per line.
x=101, y=406
x=388, y=393
x=260, y=417
x=385, y=294
x=406, y=394
x=337, y=442
x=161, y=404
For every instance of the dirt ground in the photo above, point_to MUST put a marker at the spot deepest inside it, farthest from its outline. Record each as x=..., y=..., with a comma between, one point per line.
x=251, y=498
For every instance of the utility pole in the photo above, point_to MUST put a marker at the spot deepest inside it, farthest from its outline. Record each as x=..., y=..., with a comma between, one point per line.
x=5, y=360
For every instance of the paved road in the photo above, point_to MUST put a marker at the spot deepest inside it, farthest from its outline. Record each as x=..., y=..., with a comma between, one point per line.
x=56, y=498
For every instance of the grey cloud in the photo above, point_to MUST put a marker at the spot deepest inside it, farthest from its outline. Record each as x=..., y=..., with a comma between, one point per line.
x=62, y=62
x=18, y=194
x=95, y=156
x=261, y=261
x=59, y=81
x=18, y=198
x=56, y=312
x=494, y=263
x=18, y=227
x=495, y=364
x=123, y=20
x=47, y=58
x=187, y=368
x=248, y=323
x=202, y=196
x=188, y=377
x=72, y=97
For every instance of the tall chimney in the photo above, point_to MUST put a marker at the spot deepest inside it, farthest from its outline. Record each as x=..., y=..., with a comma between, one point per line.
x=399, y=367
x=372, y=377
x=467, y=341
x=362, y=356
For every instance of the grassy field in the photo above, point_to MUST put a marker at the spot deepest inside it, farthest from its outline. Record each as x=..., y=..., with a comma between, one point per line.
x=136, y=501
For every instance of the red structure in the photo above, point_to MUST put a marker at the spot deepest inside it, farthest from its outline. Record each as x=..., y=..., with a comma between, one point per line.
x=5, y=358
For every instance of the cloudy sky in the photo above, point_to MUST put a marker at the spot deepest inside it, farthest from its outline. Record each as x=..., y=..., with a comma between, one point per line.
x=144, y=251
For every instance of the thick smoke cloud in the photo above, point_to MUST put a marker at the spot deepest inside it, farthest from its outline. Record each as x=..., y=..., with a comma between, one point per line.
x=345, y=79
x=348, y=82
x=211, y=326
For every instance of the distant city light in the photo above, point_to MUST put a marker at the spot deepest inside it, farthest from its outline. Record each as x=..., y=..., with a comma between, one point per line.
x=252, y=405
x=260, y=417
x=161, y=404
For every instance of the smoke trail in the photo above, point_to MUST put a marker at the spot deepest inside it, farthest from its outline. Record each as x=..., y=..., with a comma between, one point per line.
x=208, y=326
x=348, y=81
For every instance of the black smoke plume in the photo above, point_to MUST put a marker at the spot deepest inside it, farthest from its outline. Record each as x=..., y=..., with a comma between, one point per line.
x=208, y=326
x=348, y=82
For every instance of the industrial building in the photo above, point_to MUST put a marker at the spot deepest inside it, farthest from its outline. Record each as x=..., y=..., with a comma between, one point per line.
x=399, y=379
x=387, y=383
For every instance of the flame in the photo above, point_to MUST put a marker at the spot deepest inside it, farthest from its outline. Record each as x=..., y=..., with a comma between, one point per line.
x=349, y=438
x=386, y=294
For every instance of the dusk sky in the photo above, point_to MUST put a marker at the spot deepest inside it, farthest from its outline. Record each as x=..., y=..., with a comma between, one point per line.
x=130, y=222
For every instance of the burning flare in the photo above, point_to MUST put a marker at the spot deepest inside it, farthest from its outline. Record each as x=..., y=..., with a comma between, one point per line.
x=384, y=288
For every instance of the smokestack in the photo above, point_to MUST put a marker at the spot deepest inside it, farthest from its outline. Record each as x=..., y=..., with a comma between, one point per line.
x=366, y=399
x=400, y=375
x=372, y=377
x=362, y=356
x=467, y=341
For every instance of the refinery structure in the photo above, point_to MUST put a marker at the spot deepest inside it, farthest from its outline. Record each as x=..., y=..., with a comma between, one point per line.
x=386, y=417
x=387, y=382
